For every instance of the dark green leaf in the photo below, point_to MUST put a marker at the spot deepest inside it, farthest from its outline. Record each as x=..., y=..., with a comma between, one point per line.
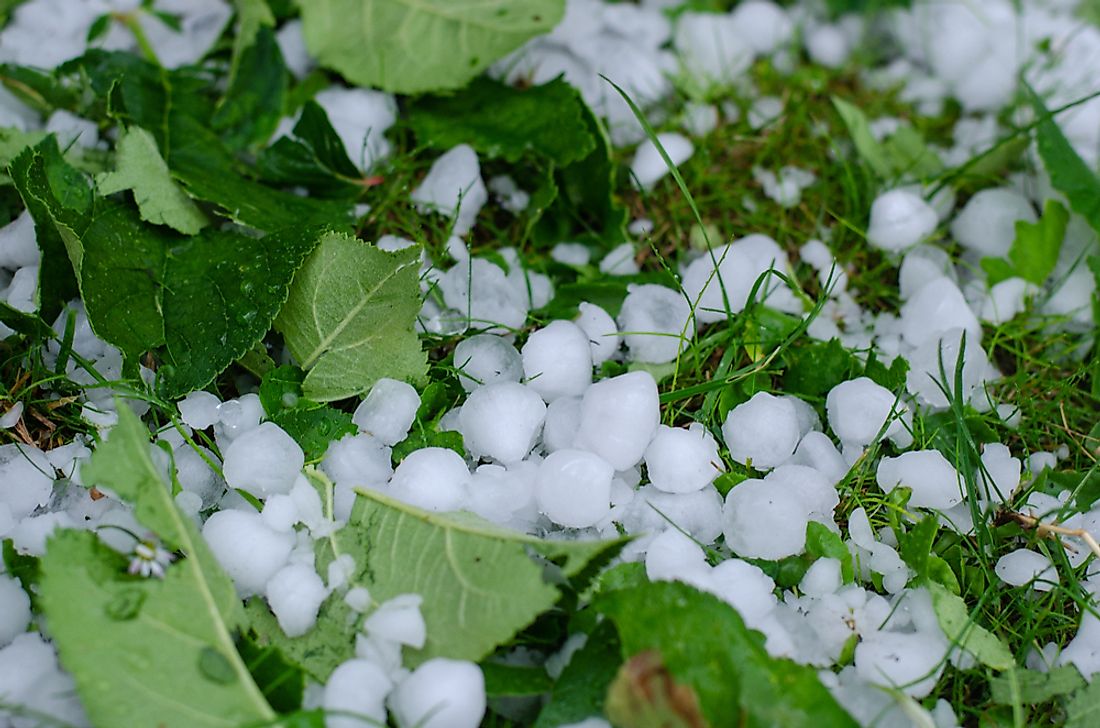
x=250, y=110
x=315, y=427
x=28, y=324
x=580, y=691
x=734, y=678
x=820, y=541
x=280, y=681
x=24, y=567
x=514, y=680
x=1069, y=174
x=501, y=121
x=892, y=377
x=814, y=369
x=314, y=157
x=281, y=389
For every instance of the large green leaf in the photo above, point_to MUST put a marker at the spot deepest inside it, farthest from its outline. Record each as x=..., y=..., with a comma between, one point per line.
x=147, y=652
x=1034, y=251
x=1069, y=174
x=139, y=167
x=501, y=121
x=222, y=292
x=349, y=318
x=411, y=46
x=960, y=628
x=250, y=109
x=705, y=646
x=479, y=582
x=580, y=690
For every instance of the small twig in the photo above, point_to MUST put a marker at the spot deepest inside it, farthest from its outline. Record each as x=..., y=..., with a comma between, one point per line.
x=1053, y=530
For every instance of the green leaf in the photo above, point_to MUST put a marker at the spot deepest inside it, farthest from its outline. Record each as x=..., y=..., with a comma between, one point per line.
x=954, y=618
x=349, y=318
x=1031, y=687
x=139, y=167
x=411, y=47
x=222, y=292
x=24, y=567
x=580, y=691
x=734, y=678
x=814, y=369
x=14, y=141
x=479, y=582
x=514, y=680
x=1069, y=174
x=867, y=146
x=501, y=121
x=281, y=682
x=998, y=269
x=314, y=157
x=909, y=156
x=892, y=377
x=1035, y=250
x=147, y=652
x=1083, y=708
x=24, y=323
x=820, y=541
x=315, y=427
x=250, y=109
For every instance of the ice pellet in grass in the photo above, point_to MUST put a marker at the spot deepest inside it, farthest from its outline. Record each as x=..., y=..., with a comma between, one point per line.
x=360, y=117
x=483, y=296
x=26, y=479
x=603, y=334
x=295, y=594
x=828, y=45
x=932, y=367
x=199, y=410
x=922, y=264
x=1005, y=300
x=763, y=520
x=656, y=323
x=249, y=551
x=910, y=661
x=649, y=166
x=620, y=261
x=573, y=488
x=682, y=461
x=453, y=187
x=900, y=220
x=1024, y=566
x=18, y=244
x=711, y=48
x=937, y=307
x=816, y=450
x=388, y=411
x=762, y=432
x=358, y=460
x=987, y=224
x=502, y=421
x=557, y=360
x=999, y=474
x=763, y=25
x=485, y=359
x=263, y=461
x=672, y=556
x=934, y=482
x=432, y=478
x=356, y=688
x=618, y=418
x=15, y=610
x=860, y=409
x=441, y=693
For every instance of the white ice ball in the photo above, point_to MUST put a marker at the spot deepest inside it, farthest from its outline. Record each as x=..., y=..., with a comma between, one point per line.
x=557, y=360
x=432, y=478
x=619, y=417
x=502, y=421
x=441, y=693
x=573, y=488
x=263, y=461
x=388, y=411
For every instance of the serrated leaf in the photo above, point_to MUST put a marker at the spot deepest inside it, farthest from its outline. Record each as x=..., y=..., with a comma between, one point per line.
x=734, y=678
x=859, y=128
x=315, y=427
x=501, y=121
x=1083, y=708
x=412, y=47
x=479, y=582
x=140, y=168
x=222, y=292
x=1031, y=687
x=820, y=541
x=816, y=368
x=147, y=652
x=14, y=141
x=349, y=318
x=1069, y=174
x=314, y=156
x=954, y=618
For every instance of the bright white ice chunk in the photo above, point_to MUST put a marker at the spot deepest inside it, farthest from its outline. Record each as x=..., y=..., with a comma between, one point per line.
x=249, y=551
x=31, y=678
x=358, y=460
x=573, y=488
x=859, y=409
x=987, y=224
x=18, y=244
x=26, y=479
x=672, y=556
x=357, y=687
x=620, y=261
x=909, y=661
x=934, y=481
x=453, y=187
x=763, y=25
x=15, y=610
x=656, y=323
x=1024, y=566
x=263, y=461
x=502, y=421
x=711, y=49
x=557, y=361
x=485, y=359
x=295, y=594
x=398, y=620
x=603, y=334
x=682, y=460
x=922, y=264
x=388, y=411
x=743, y=586
x=199, y=410
x=441, y=693
x=360, y=117
x=765, y=520
x=432, y=478
x=764, y=431
x=649, y=166
x=618, y=418
x=563, y=416
x=936, y=308
x=900, y=220
x=926, y=380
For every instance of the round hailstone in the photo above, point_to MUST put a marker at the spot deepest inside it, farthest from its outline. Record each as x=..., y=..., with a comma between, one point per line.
x=763, y=25
x=563, y=417
x=441, y=693
x=453, y=187
x=711, y=48
x=15, y=610
x=828, y=45
x=682, y=461
x=263, y=461
x=295, y=594
x=432, y=478
x=900, y=220
x=816, y=450
x=388, y=411
x=486, y=359
x=859, y=410
x=195, y=474
x=649, y=167
x=501, y=421
x=1024, y=566
x=935, y=309
x=933, y=480
x=481, y=292
x=817, y=494
x=763, y=520
x=573, y=488
x=398, y=620
x=744, y=587
x=999, y=475
x=18, y=244
x=672, y=556
x=762, y=432
x=987, y=223
x=603, y=334
x=357, y=687
x=358, y=460
x=26, y=479
x=656, y=323
x=923, y=264
x=925, y=376
x=618, y=418
x=909, y=661
x=199, y=410
x=557, y=361
x=699, y=514
x=249, y=551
